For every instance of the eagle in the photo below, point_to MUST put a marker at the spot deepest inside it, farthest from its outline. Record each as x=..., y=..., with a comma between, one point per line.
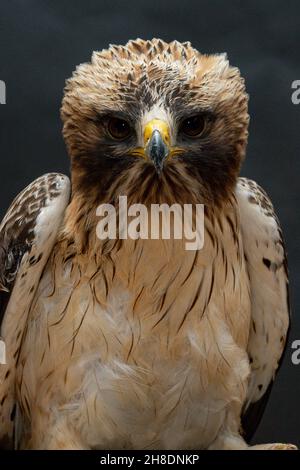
x=133, y=343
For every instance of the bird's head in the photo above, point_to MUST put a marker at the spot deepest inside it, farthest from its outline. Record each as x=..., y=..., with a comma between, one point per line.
x=155, y=112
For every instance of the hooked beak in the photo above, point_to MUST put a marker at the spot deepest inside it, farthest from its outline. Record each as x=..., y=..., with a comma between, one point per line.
x=157, y=150
x=157, y=142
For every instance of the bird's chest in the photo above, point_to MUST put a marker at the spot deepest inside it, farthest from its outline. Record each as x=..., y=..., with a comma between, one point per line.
x=151, y=342
x=175, y=323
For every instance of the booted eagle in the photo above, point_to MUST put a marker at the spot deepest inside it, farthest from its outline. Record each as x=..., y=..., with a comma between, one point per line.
x=133, y=343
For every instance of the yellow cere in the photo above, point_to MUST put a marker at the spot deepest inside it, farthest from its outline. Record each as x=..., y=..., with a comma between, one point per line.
x=159, y=125
x=163, y=128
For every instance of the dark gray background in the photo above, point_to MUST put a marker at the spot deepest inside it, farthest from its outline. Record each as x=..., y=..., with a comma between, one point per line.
x=42, y=41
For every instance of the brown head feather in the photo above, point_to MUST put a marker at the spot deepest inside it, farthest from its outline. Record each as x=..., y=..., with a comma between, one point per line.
x=129, y=81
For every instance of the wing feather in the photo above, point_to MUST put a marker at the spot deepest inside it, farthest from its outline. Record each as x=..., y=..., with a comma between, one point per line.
x=267, y=268
x=27, y=235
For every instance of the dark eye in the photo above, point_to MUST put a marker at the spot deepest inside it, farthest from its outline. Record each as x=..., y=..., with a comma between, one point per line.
x=118, y=129
x=193, y=126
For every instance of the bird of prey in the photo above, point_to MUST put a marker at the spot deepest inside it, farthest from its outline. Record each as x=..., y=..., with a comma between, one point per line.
x=135, y=343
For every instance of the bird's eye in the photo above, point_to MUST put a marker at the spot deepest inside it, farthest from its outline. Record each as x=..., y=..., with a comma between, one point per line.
x=193, y=126
x=118, y=129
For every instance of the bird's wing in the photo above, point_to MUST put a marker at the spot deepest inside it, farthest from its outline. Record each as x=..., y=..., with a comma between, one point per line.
x=267, y=268
x=27, y=235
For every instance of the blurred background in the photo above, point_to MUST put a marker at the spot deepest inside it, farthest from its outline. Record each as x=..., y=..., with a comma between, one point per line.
x=41, y=42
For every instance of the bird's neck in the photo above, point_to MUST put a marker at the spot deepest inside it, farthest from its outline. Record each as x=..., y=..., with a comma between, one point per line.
x=143, y=187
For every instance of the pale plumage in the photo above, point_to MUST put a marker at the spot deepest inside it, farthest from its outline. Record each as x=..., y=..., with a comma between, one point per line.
x=134, y=343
